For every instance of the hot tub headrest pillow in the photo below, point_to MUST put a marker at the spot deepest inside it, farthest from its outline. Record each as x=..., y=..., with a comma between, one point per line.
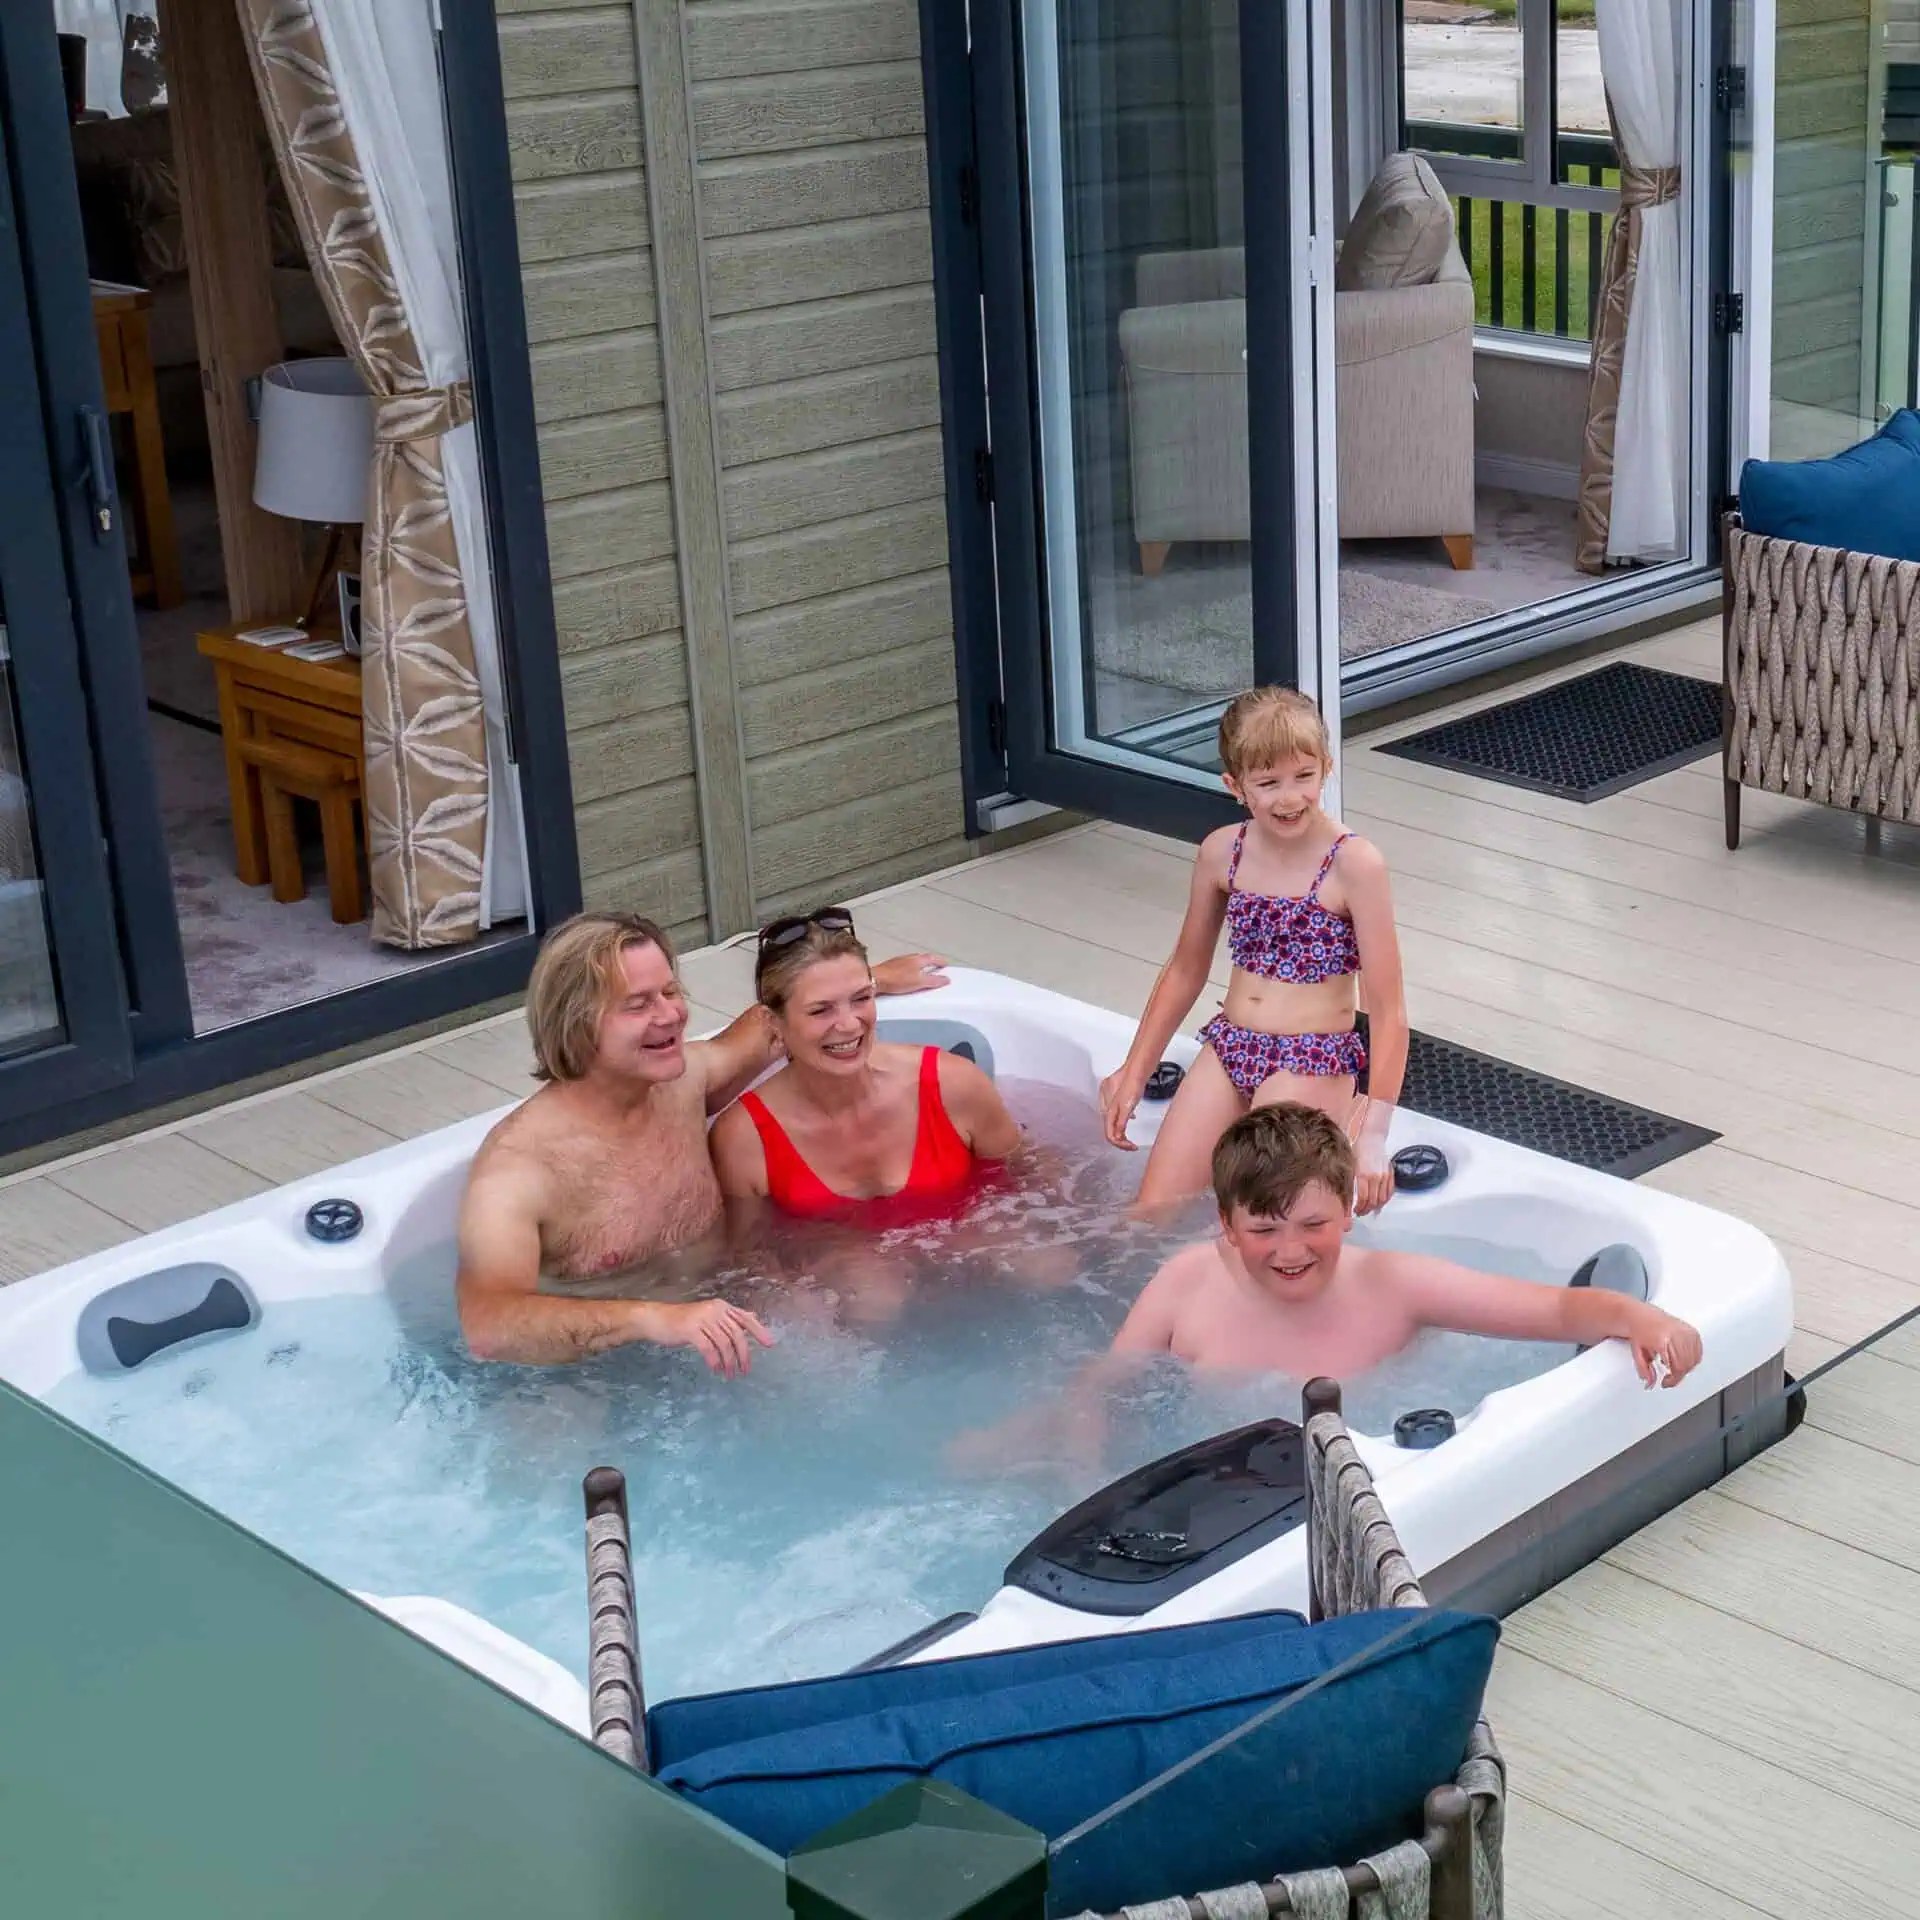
x=1341, y=1774
x=1865, y=500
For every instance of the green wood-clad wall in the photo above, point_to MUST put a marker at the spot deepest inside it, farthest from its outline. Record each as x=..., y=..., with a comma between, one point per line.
x=809, y=734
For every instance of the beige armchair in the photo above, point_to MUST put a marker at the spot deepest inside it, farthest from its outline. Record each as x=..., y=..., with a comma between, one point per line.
x=1403, y=399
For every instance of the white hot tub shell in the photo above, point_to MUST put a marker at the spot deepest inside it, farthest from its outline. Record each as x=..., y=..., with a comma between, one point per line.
x=1537, y=1479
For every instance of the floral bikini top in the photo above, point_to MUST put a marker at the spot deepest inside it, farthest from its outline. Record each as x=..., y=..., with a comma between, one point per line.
x=1285, y=938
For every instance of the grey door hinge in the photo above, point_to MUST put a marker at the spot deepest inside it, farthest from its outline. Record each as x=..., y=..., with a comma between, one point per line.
x=1730, y=89
x=983, y=476
x=997, y=725
x=1729, y=313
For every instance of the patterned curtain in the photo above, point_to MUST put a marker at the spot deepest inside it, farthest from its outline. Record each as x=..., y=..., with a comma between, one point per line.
x=1640, y=188
x=426, y=754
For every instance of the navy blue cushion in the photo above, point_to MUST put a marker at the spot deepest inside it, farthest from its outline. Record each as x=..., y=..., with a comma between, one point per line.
x=678, y=1729
x=1866, y=499
x=1340, y=1773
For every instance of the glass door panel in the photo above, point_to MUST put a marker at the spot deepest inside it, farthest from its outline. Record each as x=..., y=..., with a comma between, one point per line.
x=1154, y=386
x=29, y=1005
x=1140, y=332
x=63, y=1006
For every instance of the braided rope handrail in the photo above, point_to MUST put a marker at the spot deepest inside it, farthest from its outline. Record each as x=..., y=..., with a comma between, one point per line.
x=617, y=1702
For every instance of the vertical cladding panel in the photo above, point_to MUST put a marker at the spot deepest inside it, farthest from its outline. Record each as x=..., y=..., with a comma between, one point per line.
x=574, y=130
x=808, y=122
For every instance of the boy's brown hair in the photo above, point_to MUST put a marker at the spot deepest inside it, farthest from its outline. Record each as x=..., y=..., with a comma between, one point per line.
x=574, y=977
x=1271, y=1155
x=1268, y=726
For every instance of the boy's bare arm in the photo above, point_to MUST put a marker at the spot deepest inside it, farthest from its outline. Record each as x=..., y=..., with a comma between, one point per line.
x=1441, y=1294
x=1149, y=1326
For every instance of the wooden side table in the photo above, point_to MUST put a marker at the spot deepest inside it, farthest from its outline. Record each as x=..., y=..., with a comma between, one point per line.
x=264, y=695
x=126, y=373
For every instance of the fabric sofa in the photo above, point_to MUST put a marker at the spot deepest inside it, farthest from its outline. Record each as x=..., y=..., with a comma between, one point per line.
x=1403, y=349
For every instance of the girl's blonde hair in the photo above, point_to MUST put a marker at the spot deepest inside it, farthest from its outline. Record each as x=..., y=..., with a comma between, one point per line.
x=776, y=970
x=1267, y=726
x=575, y=975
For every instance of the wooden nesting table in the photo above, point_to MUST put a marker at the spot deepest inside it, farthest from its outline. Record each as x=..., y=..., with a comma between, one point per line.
x=290, y=728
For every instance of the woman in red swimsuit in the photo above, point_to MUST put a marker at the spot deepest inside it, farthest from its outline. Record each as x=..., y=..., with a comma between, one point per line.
x=852, y=1129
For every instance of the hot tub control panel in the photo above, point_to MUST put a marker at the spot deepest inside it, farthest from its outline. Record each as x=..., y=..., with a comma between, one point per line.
x=1166, y=1526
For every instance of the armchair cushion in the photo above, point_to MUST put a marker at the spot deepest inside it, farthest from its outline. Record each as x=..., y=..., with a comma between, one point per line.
x=1864, y=500
x=1341, y=1774
x=1402, y=231
x=678, y=1729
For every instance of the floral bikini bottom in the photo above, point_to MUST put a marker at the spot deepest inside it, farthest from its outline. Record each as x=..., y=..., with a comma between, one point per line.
x=1251, y=1058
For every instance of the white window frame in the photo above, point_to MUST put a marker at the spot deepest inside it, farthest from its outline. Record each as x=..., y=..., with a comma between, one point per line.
x=1528, y=181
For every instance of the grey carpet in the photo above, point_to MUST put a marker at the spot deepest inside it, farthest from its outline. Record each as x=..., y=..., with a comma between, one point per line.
x=1200, y=643
x=246, y=954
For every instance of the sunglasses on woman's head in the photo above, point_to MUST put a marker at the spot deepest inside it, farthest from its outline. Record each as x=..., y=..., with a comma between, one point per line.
x=783, y=933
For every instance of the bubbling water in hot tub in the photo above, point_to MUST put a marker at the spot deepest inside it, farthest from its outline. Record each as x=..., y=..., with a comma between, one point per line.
x=787, y=1524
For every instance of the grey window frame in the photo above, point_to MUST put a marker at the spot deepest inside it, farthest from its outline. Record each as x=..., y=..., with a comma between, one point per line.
x=1530, y=180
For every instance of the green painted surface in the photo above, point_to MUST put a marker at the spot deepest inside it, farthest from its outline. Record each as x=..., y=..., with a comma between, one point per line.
x=925, y=1851
x=193, y=1726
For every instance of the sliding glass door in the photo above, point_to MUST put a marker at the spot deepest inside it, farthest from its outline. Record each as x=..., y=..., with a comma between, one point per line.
x=1151, y=216
x=63, y=1022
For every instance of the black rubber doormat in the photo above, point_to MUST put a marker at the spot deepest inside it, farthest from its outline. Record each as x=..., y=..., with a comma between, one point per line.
x=1527, y=1109
x=1581, y=739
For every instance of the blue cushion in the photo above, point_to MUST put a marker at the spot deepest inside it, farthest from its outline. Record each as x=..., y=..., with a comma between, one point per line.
x=1341, y=1773
x=678, y=1729
x=1866, y=499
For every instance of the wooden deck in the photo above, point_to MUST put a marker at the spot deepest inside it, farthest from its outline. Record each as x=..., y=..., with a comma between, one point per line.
x=1717, y=1719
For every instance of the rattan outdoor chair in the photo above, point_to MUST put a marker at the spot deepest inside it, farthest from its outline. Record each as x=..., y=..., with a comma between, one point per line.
x=1822, y=677
x=1355, y=1565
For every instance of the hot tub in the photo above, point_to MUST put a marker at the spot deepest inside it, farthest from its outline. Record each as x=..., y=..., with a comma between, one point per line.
x=298, y=1369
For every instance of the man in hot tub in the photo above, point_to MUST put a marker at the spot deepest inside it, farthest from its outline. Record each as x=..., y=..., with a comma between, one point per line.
x=1280, y=1289
x=606, y=1167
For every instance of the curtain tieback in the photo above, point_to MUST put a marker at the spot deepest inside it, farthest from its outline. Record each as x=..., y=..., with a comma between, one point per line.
x=424, y=415
x=1648, y=186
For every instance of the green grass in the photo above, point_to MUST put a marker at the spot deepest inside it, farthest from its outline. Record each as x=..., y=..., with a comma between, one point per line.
x=1570, y=10
x=1513, y=263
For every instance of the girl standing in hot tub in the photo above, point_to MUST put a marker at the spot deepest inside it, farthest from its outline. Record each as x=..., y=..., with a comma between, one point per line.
x=1309, y=919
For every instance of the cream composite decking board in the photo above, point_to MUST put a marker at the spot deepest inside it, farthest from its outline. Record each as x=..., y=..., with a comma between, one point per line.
x=1631, y=1699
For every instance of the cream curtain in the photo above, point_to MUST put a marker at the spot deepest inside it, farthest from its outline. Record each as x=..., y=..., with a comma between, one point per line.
x=351, y=95
x=1633, y=469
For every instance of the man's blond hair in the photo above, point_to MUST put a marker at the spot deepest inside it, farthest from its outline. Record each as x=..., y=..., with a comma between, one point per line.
x=1268, y=1157
x=1267, y=727
x=574, y=978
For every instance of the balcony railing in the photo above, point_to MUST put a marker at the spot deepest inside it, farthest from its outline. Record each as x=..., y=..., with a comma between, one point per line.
x=1536, y=267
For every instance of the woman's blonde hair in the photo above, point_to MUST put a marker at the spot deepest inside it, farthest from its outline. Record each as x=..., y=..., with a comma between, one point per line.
x=575, y=975
x=1268, y=726
x=776, y=969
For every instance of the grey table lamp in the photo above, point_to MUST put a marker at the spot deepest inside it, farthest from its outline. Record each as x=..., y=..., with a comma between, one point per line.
x=315, y=453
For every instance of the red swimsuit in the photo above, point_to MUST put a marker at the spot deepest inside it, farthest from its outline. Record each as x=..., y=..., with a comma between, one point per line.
x=943, y=1164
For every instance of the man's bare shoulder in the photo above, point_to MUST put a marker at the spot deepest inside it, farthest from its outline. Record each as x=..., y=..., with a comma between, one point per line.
x=517, y=1159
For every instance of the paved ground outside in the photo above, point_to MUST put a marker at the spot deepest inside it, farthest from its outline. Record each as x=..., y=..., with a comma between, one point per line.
x=1471, y=72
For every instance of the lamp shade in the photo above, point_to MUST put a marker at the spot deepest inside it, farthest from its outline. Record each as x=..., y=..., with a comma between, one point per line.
x=316, y=442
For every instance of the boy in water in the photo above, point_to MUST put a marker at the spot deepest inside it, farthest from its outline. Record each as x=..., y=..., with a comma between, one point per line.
x=1280, y=1290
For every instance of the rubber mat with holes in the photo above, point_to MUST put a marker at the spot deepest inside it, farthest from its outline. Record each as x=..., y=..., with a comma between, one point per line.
x=1495, y=1097
x=1581, y=739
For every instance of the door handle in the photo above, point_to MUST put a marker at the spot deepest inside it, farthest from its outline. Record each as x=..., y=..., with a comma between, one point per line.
x=98, y=443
